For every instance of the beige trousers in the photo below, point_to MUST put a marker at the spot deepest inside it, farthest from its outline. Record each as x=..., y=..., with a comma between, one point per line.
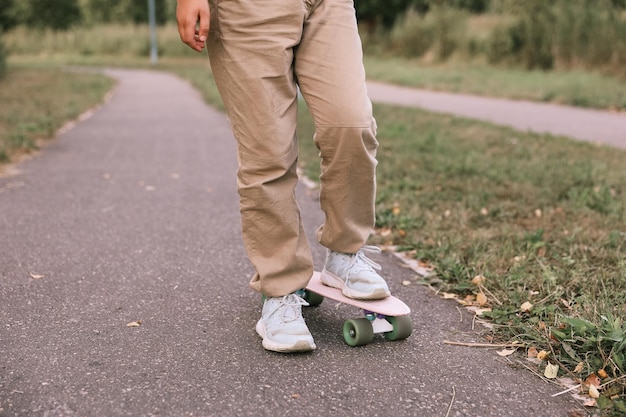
x=260, y=52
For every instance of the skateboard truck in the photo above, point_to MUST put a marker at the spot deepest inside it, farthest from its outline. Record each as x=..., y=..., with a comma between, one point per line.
x=379, y=324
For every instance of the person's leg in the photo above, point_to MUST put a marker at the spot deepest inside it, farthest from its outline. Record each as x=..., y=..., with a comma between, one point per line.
x=329, y=69
x=251, y=52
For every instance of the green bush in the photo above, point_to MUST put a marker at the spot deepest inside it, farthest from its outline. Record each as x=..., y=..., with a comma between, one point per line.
x=501, y=45
x=563, y=33
x=589, y=34
x=528, y=40
x=411, y=36
x=104, y=40
x=534, y=34
x=449, y=31
x=440, y=32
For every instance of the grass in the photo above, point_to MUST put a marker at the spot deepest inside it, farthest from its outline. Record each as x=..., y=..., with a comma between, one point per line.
x=36, y=102
x=540, y=220
x=104, y=40
x=576, y=88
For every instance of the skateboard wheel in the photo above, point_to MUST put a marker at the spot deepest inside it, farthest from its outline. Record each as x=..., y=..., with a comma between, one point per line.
x=314, y=299
x=402, y=328
x=358, y=332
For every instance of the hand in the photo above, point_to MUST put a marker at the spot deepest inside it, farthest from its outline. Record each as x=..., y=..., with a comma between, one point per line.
x=193, y=18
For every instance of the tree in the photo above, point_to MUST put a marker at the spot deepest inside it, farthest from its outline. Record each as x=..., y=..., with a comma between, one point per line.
x=8, y=19
x=474, y=6
x=52, y=14
x=375, y=13
x=384, y=12
x=138, y=11
x=125, y=11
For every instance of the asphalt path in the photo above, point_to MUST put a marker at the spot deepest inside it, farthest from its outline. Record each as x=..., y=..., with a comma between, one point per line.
x=597, y=126
x=132, y=216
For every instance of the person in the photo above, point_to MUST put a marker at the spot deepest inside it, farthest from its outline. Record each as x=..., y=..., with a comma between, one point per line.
x=261, y=52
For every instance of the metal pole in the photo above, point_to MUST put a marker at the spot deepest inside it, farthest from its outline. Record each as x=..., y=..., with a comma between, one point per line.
x=153, y=41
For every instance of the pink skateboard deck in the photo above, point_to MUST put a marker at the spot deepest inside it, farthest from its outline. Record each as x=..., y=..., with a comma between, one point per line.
x=389, y=316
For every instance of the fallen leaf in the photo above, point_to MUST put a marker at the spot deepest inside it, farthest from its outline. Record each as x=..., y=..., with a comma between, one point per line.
x=406, y=282
x=484, y=211
x=423, y=264
x=602, y=374
x=36, y=276
x=579, y=368
x=481, y=299
x=526, y=307
x=506, y=352
x=542, y=355
x=593, y=392
x=448, y=296
x=532, y=352
x=551, y=371
x=593, y=380
x=135, y=323
x=478, y=279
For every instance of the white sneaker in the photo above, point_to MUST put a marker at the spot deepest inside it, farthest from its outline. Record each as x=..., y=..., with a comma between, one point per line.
x=355, y=274
x=282, y=326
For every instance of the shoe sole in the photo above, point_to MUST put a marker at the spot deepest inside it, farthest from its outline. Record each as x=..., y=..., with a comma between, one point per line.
x=331, y=280
x=299, y=346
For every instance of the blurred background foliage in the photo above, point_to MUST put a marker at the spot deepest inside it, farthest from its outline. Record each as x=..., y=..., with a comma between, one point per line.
x=529, y=34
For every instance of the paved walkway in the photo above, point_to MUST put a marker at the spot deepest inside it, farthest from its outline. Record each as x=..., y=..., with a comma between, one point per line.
x=132, y=216
x=583, y=124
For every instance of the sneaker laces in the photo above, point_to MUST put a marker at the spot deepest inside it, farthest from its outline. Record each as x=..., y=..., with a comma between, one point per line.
x=289, y=308
x=360, y=262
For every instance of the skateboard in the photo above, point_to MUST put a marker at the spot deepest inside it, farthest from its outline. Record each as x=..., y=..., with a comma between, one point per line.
x=388, y=316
